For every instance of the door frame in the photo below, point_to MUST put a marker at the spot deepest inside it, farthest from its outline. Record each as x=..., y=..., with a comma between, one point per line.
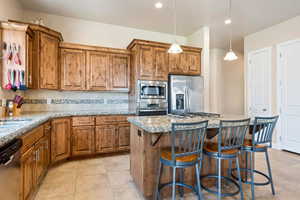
x=248, y=90
x=279, y=88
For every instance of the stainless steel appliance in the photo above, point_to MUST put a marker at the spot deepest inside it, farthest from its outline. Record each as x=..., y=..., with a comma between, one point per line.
x=185, y=94
x=152, y=97
x=10, y=171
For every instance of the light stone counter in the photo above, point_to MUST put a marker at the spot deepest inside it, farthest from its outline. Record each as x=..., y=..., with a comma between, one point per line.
x=159, y=124
x=34, y=119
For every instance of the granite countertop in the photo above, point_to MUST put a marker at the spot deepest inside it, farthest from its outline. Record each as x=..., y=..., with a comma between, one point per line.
x=30, y=120
x=159, y=124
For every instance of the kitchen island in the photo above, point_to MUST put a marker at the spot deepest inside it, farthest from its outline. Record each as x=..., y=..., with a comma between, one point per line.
x=149, y=134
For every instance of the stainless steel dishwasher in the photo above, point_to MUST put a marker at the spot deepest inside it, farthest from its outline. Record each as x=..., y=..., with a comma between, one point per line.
x=10, y=172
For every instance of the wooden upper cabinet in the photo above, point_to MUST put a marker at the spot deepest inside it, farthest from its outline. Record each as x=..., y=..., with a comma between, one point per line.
x=98, y=70
x=194, y=66
x=146, y=63
x=83, y=140
x=73, y=69
x=120, y=73
x=151, y=61
x=60, y=139
x=48, y=56
x=161, y=60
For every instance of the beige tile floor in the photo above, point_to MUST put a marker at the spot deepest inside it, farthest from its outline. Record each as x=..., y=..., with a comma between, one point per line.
x=108, y=178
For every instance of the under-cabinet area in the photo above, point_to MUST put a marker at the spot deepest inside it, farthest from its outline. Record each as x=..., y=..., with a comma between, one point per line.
x=65, y=138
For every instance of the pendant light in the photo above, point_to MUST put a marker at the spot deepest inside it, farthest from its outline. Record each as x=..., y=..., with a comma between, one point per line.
x=230, y=55
x=175, y=47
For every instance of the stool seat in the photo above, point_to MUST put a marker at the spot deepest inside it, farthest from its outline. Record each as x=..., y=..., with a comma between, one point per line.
x=212, y=148
x=248, y=144
x=166, y=154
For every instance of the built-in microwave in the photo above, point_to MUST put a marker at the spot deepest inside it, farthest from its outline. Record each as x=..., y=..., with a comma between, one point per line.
x=152, y=89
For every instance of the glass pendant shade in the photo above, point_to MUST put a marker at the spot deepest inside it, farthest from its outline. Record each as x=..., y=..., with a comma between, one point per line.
x=175, y=48
x=230, y=55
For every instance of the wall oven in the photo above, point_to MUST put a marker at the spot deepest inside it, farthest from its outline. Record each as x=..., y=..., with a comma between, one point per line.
x=152, y=97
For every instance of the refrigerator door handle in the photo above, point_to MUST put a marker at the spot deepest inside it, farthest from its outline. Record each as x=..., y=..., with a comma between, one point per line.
x=189, y=101
x=185, y=100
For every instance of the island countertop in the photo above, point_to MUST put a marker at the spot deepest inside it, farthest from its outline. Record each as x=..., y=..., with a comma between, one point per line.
x=159, y=124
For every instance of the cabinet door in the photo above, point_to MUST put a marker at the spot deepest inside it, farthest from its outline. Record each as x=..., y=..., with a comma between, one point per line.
x=123, y=136
x=105, y=138
x=120, y=73
x=83, y=140
x=194, y=63
x=97, y=71
x=72, y=69
x=184, y=63
x=146, y=67
x=48, y=62
x=40, y=160
x=27, y=174
x=60, y=139
x=161, y=64
x=174, y=64
x=29, y=61
x=47, y=131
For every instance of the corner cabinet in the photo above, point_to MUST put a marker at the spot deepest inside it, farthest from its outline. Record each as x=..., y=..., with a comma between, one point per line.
x=60, y=139
x=48, y=61
x=94, y=68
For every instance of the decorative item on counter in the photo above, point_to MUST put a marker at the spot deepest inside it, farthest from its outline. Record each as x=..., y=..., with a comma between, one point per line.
x=8, y=86
x=10, y=108
x=22, y=80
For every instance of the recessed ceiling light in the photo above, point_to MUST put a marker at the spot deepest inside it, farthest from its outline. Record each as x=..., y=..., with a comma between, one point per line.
x=228, y=21
x=158, y=5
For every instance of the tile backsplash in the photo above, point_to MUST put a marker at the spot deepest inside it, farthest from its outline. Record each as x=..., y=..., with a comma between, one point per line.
x=48, y=100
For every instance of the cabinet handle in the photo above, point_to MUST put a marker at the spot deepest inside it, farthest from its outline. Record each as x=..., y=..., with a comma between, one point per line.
x=139, y=133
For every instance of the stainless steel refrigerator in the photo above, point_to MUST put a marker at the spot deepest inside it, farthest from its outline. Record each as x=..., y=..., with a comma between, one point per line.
x=185, y=94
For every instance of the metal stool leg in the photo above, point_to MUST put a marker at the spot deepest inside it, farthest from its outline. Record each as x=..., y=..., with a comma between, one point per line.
x=246, y=173
x=219, y=180
x=270, y=172
x=229, y=168
x=240, y=179
x=160, y=169
x=198, y=182
x=174, y=184
x=181, y=189
x=252, y=175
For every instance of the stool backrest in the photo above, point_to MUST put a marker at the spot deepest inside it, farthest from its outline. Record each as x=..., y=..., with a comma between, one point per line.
x=263, y=130
x=231, y=134
x=188, y=139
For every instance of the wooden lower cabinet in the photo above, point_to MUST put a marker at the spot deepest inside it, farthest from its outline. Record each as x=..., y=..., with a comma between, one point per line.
x=34, y=161
x=105, y=138
x=123, y=134
x=60, y=139
x=83, y=140
x=27, y=174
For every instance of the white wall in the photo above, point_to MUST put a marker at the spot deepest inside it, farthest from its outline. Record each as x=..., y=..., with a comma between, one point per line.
x=94, y=33
x=201, y=39
x=270, y=37
x=10, y=9
x=226, y=83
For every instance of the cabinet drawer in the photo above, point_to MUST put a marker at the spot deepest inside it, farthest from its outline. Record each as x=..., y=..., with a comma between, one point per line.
x=111, y=119
x=83, y=121
x=32, y=137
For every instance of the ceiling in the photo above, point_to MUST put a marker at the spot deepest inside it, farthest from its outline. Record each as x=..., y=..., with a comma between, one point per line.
x=248, y=16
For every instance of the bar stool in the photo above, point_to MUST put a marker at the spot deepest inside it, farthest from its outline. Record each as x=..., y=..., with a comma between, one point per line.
x=261, y=141
x=187, y=141
x=231, y=134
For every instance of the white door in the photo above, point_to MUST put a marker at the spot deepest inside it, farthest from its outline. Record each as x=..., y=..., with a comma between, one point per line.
x=259, y=82
x=289, y=90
